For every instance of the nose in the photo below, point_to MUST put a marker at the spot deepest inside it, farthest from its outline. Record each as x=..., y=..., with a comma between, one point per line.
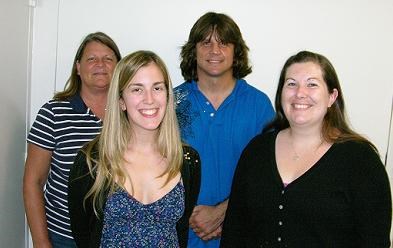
x=99, y=61
x=149, y=99
x=215, y=48
x=301, y=92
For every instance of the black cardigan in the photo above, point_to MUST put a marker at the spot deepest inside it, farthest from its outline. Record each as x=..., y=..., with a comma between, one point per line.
x=87, y=228
x=343, y=200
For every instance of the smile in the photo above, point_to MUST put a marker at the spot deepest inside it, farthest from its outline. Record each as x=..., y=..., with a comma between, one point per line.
x=149, y=112
x=301, y=106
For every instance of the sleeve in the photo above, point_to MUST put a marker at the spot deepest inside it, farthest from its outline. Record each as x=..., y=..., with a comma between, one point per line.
x=42, y=132
x=266, y=112
x=372, y=199
x=235, y=223
x=195, y=175
x=191, y=176
x=80, y=181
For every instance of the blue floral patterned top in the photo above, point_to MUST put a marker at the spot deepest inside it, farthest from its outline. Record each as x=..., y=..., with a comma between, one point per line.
x=130, y=223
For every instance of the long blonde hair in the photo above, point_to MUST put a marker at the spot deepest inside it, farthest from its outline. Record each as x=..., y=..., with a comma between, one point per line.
x=117, y=132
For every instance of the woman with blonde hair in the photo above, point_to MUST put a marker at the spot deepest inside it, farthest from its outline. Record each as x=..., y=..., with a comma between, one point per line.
x=135, y=185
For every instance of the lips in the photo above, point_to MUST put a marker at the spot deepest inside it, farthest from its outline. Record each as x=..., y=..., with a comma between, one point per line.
x=100, y=73
x=149, y=112
x=301, y=106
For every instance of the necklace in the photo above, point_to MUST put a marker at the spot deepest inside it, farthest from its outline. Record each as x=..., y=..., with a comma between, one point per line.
x=296, y=156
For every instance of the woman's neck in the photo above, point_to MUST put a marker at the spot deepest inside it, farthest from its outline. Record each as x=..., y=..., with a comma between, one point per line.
x=95, y=101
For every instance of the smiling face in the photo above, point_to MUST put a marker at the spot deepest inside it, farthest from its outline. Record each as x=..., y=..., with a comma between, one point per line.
x=96, y=66
x=305, y=97
x=214, y=58
x=145, y=98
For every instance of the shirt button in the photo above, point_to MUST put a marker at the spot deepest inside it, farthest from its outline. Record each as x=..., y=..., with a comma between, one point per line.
x=280, y=223
x=211, y=114
x=207, y=103
x=279, y=239
x=282, y=192
x=280, y=206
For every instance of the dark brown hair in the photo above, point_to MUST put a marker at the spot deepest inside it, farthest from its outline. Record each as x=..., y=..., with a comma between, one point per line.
x=335, y=126
x=227, y=31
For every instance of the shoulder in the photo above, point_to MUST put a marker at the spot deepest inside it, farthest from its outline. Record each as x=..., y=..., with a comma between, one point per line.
x=182, y=87
x=80, y=167
x=250, y=90
x=191, y=161
x=357, y=148
x=55, y=108
x=358, y=154
x=53, y=105
x=255, y=99
x=191, y=155
x=260, y=147
x=182, y=91
x=263, y=139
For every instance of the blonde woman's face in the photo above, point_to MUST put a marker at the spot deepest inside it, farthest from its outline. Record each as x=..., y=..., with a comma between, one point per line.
x=145, y=99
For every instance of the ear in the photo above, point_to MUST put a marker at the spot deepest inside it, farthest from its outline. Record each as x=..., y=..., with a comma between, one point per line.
x=333, y=97
x=122, y=104
x=78, y=68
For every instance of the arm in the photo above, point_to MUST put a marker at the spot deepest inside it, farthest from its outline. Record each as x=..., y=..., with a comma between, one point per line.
x=236, y=217
x=35, y=175
x=372, y=200
x=81, y=212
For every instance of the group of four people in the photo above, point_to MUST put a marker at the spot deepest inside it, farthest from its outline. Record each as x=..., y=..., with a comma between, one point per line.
x=125, y=160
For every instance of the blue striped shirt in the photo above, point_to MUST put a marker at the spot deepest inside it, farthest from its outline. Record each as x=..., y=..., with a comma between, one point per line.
x=62, y=127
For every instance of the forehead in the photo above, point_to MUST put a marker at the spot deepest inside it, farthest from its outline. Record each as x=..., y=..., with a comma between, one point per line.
x=304, y=69
x=96, y=47
x=150, y=73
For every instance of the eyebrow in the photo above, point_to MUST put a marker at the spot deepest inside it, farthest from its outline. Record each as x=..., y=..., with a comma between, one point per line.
x=141, y=84
x=310, y=78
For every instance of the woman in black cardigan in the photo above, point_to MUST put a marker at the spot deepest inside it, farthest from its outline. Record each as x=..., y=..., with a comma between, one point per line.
x=309, y=180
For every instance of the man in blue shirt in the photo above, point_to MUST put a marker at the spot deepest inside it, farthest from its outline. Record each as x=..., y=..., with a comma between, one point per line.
x=219, y=113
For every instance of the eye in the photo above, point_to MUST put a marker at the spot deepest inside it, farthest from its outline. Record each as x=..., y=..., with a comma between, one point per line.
x=223, y=44
x=136, y=90
x=159, y=87
x=290, y=83
x=108, y=58
x=91, y=59
x=206, y=43
x=312, y=83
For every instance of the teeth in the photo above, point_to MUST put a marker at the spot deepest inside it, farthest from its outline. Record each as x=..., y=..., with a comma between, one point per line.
x=148, y=111
x=301, y=106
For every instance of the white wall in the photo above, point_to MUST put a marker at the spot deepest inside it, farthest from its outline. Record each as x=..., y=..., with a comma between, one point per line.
x=355, y=35
x=14, y=36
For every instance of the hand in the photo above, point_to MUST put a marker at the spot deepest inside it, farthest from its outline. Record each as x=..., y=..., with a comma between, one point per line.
x=216, y=234
x=206, y=220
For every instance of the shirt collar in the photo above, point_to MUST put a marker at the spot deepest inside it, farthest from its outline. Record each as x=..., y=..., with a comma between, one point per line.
x=77, y=104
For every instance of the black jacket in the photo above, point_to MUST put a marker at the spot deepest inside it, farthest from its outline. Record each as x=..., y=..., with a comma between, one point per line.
x=87, y=228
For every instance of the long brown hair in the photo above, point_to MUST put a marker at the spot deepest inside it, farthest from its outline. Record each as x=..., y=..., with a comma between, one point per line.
x=335, y=126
